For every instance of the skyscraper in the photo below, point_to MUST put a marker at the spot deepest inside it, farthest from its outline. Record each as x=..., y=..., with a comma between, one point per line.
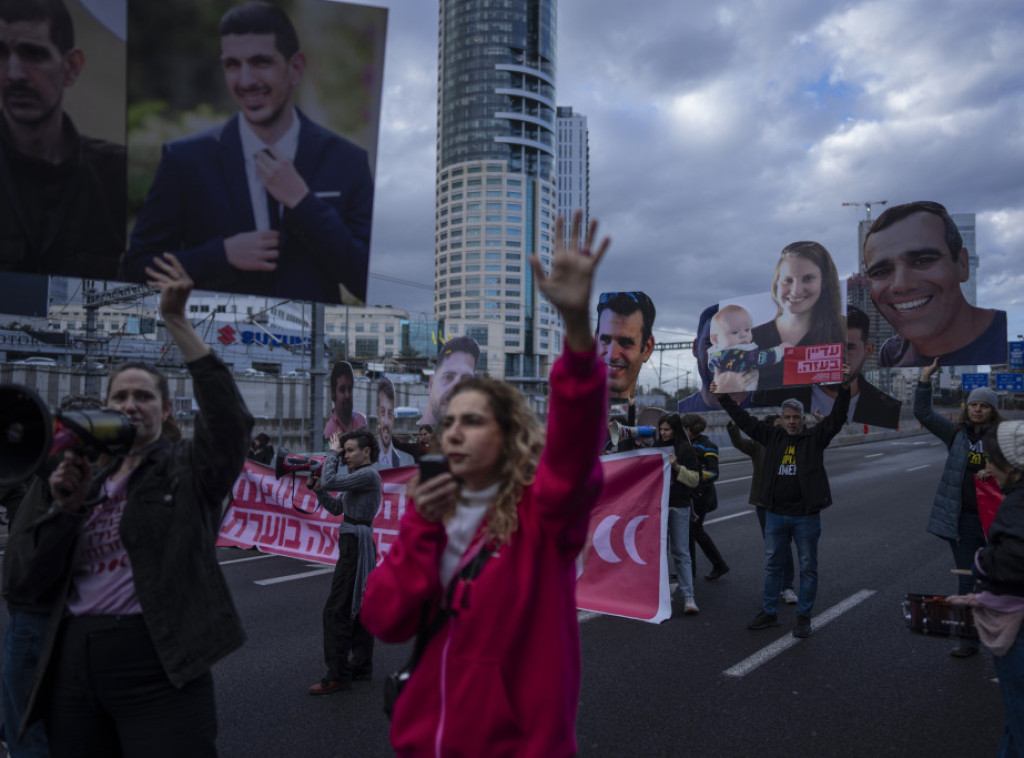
x=495, y=180
x=573, y=167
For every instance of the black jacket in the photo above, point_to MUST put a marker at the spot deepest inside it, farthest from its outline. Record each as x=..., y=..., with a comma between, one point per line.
x=169, y=529
x=679, y=495
x=1002, y=560
x=809, y=446
x=85, y=233
x=705, y=496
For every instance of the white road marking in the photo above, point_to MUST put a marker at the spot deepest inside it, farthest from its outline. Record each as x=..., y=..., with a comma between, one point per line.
x=783, y=644
x=293, y=577
x=874, y=455
x=915, y=468
x=731, y=515
x=737, y=479
x=243, y=560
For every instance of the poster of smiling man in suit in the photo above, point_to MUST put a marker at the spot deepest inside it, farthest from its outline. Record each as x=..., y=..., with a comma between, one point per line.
x=269, y=202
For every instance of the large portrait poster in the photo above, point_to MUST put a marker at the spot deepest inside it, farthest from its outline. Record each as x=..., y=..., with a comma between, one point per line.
x=917, y=264
x=791, y=336
x=62, y=155
x=252, y=137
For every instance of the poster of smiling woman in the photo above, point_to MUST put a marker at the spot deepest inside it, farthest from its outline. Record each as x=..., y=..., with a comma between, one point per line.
x=252, y=140
x=793, y=335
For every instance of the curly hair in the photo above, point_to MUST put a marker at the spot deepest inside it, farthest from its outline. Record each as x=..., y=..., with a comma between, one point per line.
x=520, y=453
x=828, y=322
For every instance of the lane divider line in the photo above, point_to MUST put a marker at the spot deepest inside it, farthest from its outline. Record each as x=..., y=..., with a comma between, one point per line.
x=915, y=468
x=731, y=515
x=737, y=479
x=783, y=644
x=243, y=560
x=293, y=577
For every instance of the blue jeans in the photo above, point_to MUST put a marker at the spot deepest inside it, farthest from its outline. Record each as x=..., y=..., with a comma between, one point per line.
x=1010, y=668
x=778, y=531
x=22, y=645
x=679, y=547
x=787, y=565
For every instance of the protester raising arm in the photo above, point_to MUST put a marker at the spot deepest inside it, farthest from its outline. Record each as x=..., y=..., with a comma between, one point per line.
x=514, y=635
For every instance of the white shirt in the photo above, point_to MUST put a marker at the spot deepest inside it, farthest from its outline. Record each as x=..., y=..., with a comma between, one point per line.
x=462, y=527
x=251, y=146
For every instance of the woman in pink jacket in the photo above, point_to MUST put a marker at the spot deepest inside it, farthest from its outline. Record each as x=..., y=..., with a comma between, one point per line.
x=501, y=675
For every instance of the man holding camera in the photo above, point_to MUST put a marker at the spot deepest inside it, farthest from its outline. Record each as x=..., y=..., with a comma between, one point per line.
x=361, y=490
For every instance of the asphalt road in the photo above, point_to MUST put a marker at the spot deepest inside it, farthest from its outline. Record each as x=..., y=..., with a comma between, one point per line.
x=697, y=686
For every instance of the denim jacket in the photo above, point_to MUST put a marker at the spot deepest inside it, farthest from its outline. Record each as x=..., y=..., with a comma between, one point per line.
x=171, y=520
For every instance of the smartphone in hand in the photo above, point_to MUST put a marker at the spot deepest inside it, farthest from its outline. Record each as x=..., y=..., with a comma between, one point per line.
x=431, y=466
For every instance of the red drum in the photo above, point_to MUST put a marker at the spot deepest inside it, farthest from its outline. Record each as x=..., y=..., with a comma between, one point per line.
x=934, y=614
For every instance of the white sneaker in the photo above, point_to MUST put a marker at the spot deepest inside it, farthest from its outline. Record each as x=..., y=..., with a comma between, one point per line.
x=789, y=597
x=689, y=606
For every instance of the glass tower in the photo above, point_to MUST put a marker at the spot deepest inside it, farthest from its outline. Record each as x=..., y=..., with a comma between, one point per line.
x=495, y=181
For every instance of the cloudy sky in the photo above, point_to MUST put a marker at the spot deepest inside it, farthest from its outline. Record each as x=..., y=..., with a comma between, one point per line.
x=720, y=132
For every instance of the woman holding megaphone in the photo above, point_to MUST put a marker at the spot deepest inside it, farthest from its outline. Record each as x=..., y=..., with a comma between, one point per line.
x=125, y=555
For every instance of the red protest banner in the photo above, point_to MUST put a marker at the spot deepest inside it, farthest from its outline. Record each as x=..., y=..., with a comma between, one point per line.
x=622, y=570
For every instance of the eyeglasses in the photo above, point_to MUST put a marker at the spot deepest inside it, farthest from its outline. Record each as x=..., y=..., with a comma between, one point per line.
x=640, y=298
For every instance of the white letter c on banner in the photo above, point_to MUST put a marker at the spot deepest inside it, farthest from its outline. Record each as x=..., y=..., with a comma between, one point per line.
x=602, y=540
x=630, y=539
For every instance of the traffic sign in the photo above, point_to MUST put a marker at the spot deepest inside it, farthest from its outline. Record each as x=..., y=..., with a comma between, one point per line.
x=971, y=381
x=1010, y=382
x=1017, y=355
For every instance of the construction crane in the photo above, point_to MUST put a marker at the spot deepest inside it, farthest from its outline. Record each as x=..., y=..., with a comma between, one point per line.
x=868, y=205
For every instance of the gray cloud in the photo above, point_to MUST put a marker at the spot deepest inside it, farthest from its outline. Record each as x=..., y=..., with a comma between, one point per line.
x=722, y=131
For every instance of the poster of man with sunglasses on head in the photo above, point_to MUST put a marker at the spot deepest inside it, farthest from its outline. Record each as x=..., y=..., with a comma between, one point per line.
x=625, y=341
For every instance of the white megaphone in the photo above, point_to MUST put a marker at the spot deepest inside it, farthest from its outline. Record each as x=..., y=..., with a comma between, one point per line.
x=619, y=431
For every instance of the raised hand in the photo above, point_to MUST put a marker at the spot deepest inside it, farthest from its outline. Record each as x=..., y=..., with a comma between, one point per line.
x=568, y=285
x=929, y=371
x=170, y=277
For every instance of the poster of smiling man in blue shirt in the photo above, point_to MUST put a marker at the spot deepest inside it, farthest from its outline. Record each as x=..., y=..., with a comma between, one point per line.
x=916, y=261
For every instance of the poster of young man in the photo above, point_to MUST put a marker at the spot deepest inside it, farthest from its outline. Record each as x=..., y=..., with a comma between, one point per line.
x=253, y=131
x=916, y=261
x=625, y=342
x=62, y=156
x=456, y=360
